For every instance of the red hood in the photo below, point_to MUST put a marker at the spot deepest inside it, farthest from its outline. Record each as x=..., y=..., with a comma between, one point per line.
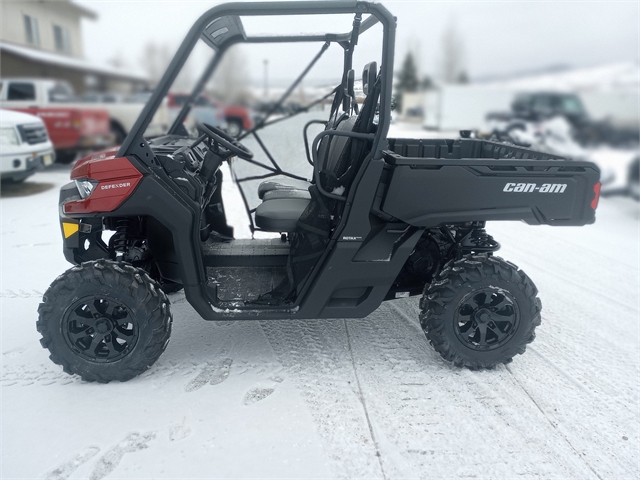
x=116, y=179
x=82, y=166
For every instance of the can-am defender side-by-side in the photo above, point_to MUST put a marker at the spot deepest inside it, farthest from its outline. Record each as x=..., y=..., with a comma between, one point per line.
x=381, y=218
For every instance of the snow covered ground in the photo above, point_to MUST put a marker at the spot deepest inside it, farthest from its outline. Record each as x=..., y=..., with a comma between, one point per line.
x=366, y=398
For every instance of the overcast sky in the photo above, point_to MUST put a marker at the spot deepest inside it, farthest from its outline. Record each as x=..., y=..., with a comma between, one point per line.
x=499, y=37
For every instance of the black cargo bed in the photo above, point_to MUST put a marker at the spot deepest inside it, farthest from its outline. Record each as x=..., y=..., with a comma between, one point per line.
x=434, y=182
x=462, y=148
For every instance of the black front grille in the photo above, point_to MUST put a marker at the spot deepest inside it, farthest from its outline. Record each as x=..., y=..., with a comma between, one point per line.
x=34, y=133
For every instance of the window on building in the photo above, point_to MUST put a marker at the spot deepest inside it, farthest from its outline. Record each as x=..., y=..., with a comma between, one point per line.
x=21, y=91
x=62, y=39
x=31, y=30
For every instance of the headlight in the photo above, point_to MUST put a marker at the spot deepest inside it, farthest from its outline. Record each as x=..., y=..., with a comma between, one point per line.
x=85, y=187
x=8, y=136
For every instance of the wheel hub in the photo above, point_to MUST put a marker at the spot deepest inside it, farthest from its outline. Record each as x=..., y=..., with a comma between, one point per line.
x=486, y=318
x=483, y=315
x=103, y=326
x=100, y=329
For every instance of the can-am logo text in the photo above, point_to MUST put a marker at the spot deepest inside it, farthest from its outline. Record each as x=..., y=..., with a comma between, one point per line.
x=532, y=187
x=115, y=185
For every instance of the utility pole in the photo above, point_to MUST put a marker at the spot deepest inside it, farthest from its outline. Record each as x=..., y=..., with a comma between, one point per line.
x=266, y=79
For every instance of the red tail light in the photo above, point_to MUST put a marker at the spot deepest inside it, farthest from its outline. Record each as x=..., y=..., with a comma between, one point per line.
x=596, y=197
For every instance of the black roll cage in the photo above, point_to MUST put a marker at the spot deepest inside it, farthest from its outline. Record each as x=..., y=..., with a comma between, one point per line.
x=221, y=27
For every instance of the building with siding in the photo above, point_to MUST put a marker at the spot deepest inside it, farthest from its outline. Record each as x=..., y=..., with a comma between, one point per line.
x=44, y=39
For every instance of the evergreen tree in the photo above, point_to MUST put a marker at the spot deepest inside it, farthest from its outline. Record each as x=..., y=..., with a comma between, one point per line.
x=408, y=75
x=407, y=78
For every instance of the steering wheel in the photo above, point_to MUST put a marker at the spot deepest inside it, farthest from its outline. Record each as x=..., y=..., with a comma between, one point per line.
x=228, y=142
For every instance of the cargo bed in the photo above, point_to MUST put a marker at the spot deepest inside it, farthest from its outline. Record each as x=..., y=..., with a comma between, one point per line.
x=434, y=181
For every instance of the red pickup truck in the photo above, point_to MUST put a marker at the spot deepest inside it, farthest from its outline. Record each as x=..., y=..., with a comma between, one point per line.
x=72, y=129
x=208, y=110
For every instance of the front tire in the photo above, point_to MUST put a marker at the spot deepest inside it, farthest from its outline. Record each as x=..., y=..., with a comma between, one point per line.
x=104, y=321
x=480, y=311
x=65, y=157
x=234, y=127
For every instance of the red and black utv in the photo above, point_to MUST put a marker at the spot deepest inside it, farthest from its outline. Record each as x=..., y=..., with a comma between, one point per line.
x=378, y=219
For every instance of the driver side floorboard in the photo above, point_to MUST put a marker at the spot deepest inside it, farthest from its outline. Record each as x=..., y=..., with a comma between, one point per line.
x=245, y=284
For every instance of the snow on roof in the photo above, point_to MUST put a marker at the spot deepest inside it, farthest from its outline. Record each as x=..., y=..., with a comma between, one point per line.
x=617, y=77
x=73, y=63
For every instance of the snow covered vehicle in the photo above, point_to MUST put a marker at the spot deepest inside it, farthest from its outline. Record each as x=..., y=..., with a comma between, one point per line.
x=381, y=218
x=541, y=105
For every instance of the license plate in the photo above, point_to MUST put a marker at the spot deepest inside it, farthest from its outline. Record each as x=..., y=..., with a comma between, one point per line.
x=47, y=159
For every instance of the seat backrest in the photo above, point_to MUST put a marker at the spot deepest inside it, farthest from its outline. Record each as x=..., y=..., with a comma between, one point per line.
x=338, y=143
x=345, y=154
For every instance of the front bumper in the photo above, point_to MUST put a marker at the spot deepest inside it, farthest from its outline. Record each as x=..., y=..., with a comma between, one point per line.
x=19, y=167
x=81, y=238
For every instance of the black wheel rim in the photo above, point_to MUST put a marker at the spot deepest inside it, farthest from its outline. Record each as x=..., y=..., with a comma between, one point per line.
x=100, y=329
x=486, y=318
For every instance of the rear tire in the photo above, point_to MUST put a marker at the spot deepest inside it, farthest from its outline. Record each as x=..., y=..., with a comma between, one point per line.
x=480, y=311
x=104, y=321
x=118, y=132
x=13, y=181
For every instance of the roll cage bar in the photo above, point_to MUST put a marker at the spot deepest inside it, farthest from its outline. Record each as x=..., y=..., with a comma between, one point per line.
x=221, y=27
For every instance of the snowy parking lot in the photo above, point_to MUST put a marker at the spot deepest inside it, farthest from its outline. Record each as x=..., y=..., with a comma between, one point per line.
x=355, y=398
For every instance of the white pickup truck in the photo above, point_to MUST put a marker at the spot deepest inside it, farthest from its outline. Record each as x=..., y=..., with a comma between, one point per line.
x=25, y=146
x=42, y=93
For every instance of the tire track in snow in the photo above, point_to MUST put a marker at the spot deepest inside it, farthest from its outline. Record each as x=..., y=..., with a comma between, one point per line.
x=589, y=328
x=414, y=395
x=570, y=378
x=208, y=365
x=594, y=424
x=363, y=401
x=42, y=375
x=21, y=294
x=544, y=414
x=46, y=374
x=315, y=354
x=591, y=344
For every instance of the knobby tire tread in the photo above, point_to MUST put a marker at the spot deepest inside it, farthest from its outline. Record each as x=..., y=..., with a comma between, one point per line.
x=438, y=305
x=151, y=306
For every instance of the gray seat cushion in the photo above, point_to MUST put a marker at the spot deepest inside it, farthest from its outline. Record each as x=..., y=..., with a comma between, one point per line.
x=277, y=194
x=280, y=215
x=288, y=184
